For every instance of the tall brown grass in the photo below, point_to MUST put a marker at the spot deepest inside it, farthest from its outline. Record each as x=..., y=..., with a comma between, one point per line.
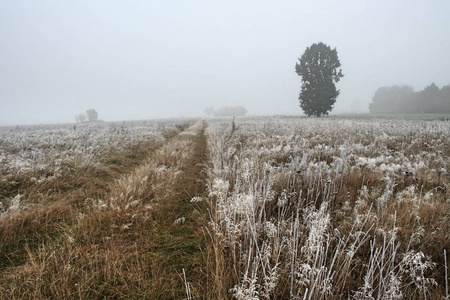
x=329, y=208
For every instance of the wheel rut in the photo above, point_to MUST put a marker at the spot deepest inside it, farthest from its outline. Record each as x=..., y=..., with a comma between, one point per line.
x=178, y=216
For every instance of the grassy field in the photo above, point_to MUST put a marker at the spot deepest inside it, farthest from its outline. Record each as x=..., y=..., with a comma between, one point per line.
x=251, y=208
x=326, y=208
x=443, y=117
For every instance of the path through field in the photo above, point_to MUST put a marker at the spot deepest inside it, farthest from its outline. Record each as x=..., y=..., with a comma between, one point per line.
x=165, y=186
x=178, y=235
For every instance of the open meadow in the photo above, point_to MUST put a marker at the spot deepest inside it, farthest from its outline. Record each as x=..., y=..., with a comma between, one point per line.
x=245, y=208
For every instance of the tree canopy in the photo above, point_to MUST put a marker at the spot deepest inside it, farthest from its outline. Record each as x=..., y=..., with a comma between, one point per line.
x=319, y=68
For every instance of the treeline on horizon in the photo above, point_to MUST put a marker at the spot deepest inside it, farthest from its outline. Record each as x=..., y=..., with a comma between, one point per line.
x=404, y=100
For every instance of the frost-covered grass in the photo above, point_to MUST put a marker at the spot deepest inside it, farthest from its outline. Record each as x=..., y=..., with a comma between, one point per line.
x=298, y=208
x=39, y=155
x=323, y=208
x=79, y=206
x=52, y=149
x=422, y=117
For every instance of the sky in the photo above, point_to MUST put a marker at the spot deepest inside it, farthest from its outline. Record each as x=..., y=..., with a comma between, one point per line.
x=136, y=60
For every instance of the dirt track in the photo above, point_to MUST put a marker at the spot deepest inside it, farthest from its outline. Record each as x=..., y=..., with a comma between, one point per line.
x=179, y=239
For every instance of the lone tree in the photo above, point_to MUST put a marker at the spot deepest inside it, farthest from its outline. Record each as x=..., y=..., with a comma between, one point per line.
x=92, y=115
x=319, y=68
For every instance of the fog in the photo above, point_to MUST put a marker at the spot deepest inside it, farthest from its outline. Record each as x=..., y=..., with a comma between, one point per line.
x=132, y=60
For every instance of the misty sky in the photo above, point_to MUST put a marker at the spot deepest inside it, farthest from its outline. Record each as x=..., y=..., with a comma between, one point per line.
x=133, y=60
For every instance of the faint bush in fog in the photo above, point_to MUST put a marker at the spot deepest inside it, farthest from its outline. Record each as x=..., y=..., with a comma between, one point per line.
x=209, y=111
x=81, y=118
x=92, y=115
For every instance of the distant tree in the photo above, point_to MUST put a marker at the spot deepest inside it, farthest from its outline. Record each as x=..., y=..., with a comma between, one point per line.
x=233, y=111
x=319, y=68
x=404, y=100
x=444, y=100
x=209, y=111
x=81, y=118
x=429, y=99
x=392, y=100
x=92, y=115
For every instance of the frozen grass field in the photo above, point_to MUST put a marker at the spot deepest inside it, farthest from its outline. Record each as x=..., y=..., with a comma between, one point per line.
x=251, y=208
x=324, y=208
